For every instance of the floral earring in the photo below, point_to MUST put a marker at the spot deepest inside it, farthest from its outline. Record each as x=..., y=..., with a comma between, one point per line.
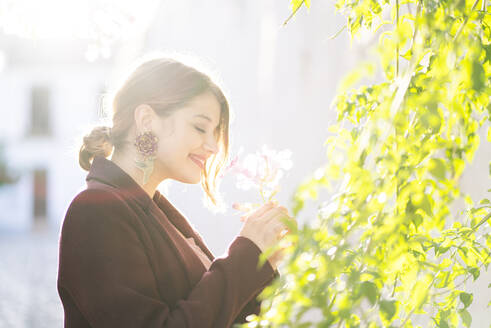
x=146, y=145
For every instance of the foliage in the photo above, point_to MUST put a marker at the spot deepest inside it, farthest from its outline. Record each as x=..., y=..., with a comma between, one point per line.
x=391, y=244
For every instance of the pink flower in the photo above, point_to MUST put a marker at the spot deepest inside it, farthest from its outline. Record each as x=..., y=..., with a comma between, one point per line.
x=261, y=170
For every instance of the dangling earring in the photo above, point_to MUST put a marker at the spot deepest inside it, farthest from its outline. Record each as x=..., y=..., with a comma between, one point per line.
x=146, y=144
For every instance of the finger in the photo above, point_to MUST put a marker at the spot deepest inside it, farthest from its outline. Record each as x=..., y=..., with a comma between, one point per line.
x=280, y=231
x=243, y=218
x=274, y=214
x=238, y=206
x=248, y=208
x=285, y=210
x=252, y=215
x=259, y=212
x=244, y=207
x=278, y=228
x=285, y=226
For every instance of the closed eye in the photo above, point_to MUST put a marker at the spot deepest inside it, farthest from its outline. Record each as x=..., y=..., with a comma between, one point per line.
x=200, y=130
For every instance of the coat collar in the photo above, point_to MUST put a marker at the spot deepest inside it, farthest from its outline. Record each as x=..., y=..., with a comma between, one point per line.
x=180, y=222
x=107, y=172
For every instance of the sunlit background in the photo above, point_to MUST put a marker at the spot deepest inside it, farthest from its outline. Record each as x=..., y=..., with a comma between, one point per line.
x=59, y=57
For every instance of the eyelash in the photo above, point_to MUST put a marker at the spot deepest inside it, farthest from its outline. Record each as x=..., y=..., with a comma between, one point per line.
x=200, y=130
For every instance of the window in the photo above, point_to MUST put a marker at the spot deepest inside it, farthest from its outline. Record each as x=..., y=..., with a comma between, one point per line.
x=39, y=195
x=40, y=111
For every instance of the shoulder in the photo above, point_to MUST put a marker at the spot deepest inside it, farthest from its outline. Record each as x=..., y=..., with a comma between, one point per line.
x=97, y=219
x=96, y=199
x=99, y=206
x=98, y=216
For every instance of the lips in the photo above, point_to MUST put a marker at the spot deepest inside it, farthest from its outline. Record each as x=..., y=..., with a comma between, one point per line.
x=198, y=160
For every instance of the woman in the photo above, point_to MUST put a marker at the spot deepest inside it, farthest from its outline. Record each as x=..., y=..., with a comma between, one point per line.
x=128, y=257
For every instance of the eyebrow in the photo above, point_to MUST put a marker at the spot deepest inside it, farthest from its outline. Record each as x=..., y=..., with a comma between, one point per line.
x=205, y=117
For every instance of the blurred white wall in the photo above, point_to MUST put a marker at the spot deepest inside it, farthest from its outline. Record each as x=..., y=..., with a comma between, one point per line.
x=72, y=87
x=280, y=79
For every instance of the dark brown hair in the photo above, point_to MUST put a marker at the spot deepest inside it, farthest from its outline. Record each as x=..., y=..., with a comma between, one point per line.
x=165, y=84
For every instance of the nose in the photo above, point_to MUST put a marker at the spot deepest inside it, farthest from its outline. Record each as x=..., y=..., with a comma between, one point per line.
x=212, y=145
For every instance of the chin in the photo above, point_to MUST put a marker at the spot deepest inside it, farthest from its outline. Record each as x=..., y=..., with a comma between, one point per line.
x=195, y=181
x=189, y=180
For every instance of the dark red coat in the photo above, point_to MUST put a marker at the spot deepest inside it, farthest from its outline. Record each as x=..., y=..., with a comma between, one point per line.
x=122, y=262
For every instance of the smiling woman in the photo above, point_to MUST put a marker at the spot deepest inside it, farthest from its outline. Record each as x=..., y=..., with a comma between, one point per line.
x=128, y=257
x=164, y=95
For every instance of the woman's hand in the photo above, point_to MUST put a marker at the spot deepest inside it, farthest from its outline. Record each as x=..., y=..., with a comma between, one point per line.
x=265, y=228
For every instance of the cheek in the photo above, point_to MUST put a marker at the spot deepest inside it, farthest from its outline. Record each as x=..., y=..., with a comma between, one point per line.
x=190, y=141
x=175, y=147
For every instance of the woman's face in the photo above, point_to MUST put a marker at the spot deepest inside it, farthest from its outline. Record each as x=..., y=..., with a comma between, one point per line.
x=190, y=132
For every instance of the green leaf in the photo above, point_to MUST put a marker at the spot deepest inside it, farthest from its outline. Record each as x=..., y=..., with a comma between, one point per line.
x=364, y=69
x=437, y=168
x=458, y=165
x=475, y=272
x=443, y=324
x=369, y=289
x=423, y=201
x=478, y=76
x=345, y=307
x=417, y=220
x=466, y=317
x=388, y=309
x=290, y=223
x=420, y=291
x=408, y=138
x=296, y=4
x=466, y=299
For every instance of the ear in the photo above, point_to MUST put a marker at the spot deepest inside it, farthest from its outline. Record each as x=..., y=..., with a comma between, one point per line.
x=144, y=115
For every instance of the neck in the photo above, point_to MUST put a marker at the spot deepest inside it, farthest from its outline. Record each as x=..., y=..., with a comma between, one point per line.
x=127, y=164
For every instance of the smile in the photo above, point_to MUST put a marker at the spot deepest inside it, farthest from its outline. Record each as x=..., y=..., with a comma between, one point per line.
x=197, y=161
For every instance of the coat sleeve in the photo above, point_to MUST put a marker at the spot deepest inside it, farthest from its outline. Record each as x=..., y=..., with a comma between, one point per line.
x=254, y=306
x=104, y=269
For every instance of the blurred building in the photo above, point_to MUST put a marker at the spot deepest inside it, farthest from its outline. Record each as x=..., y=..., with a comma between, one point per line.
x=51, y=96
x=279, y=81
x=49, y=93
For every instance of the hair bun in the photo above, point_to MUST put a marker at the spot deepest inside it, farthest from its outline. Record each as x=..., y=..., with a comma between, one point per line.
x=97, y=143
x=107, y=132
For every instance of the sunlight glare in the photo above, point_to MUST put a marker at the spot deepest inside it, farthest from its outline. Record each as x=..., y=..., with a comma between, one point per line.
x=67, y=19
